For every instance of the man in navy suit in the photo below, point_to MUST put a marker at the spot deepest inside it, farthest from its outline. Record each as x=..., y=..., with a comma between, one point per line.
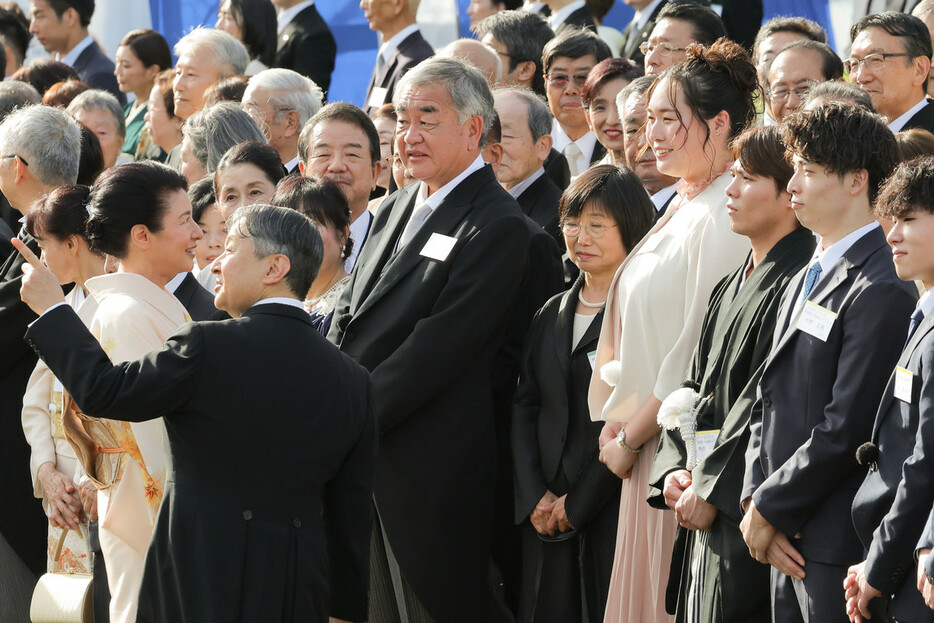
x=403, y=47
x=894, y=501
x=305, y=44
x=840, y=329
x=61, y=26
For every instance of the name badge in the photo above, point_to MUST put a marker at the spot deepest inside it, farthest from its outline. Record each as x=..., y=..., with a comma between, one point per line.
x=438, y=247
x=377, y=97
x=904, y=381
x=816, y=320
x=592, y=356
x=705, y=440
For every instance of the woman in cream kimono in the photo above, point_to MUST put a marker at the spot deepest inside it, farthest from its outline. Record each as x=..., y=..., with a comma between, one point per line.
x=657, y=302
x=58, y=222
x=141, y=216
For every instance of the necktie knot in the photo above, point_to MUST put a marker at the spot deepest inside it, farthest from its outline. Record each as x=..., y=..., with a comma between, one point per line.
x=916, y=319
x=810, y=280
x=419, y=214
x=572, y=152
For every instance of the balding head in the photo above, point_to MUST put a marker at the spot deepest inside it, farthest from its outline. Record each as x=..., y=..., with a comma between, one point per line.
x=477, y=54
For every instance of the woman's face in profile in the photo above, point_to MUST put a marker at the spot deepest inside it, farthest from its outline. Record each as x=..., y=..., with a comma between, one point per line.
x=172, y=248
x=675, y=135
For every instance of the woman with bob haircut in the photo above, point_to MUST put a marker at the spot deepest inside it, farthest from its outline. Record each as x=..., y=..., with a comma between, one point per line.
x=246, y=174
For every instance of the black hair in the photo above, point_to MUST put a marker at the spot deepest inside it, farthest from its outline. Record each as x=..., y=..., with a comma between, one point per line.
x=150, y=47
x=91, y=162
x=910, y=188
x=60, y=214
x=44, y=72
x=706, y=25
x=832, y=66
x=84, y=8
x=340, y=111
x=262, y=156
x=524, y=34
x=14, y=31
x=912, y=31
x=321, y=200
x=258, y=28
x=201, y=195
x=575, y=43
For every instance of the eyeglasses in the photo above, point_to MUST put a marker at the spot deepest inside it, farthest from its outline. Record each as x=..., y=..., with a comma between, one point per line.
x=871, y=62
x=780, y=94
x=23, y=160
x=664, y=49
x=558, y=81
x=594, y=229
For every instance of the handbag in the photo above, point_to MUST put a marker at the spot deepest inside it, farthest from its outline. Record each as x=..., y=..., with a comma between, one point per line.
x=98, y=450
x=62, y=597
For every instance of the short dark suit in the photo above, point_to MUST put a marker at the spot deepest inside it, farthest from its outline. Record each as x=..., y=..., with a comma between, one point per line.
x=267, y=511
x=429, y=331
x=816, y=404
x=923, y=119
x=636, y=36
x=97, y=71
x=539, y=202
x=307, y=46
x=556, y=166
x=197, y=301
x=893, y=503
x=581, y=18
x=411, y=51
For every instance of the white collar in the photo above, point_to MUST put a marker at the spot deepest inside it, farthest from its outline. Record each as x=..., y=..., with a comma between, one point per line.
x=925, y=303
x=902, y=119
x=390, y=45
x=358, y=230
x=642, y=17
x=586, y=143
x=558, y=17
x=281, y=300
x=435, y=199
x=533, y=7
x=522, y=186
x=661, y=197
x=73, y=54
x=286, y=16
x=175, y=281
x=291, y=164
x=829, y=256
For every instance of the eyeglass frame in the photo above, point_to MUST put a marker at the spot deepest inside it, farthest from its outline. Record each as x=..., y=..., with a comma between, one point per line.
x=861, y=62
x=800, y=91
x=23, y=160
x=647, y=48
x=552, y=79
x=568, y=226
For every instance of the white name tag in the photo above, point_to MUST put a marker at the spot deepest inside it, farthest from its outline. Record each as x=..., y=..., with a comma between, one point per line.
x=377, y=97
x=438, y=247
x=815, y=320
x=592, y=356
x=904, y=381
x=706, y=440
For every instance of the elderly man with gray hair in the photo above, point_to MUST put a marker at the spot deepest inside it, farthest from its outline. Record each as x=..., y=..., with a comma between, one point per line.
x=425, y=311
x=13, y=94
x=209, y=133
x=101, y=113
x=39, y=151
x=280, y=101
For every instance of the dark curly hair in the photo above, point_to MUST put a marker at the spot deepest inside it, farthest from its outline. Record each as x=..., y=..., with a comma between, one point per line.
x=842, y=139
x=910, y=188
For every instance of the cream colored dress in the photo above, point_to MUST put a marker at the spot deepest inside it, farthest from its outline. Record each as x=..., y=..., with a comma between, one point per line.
x=44, y=431
x=134, y=316
x=652, y=323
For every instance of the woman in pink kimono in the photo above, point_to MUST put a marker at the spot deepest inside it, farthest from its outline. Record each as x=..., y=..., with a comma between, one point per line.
x=657, y=303
x=58, y=222
x=141, y=216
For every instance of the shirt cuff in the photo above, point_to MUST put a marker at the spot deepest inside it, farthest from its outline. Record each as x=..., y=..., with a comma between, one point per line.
x=59, y=304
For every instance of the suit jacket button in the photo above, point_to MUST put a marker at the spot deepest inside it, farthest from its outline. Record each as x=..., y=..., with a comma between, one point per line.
x=767, y=402
x=297, y=522
x=248, y=515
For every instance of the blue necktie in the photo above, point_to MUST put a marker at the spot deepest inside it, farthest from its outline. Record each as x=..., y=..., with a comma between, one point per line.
x=916, y=319
x=810, y=280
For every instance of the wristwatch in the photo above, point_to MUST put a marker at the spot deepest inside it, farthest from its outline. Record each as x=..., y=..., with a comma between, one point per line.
x=621, y=440
x=929, y=577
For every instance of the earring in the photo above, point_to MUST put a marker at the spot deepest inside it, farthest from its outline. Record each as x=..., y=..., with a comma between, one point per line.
x=718, y=132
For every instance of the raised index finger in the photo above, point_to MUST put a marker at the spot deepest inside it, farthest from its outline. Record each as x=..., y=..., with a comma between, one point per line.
x=27, y=253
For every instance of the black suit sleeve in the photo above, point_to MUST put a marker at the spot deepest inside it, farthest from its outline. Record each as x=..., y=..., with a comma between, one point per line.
x=14, y=313
x=789, y=496
x=894, y=541
x=313, y=55
x=133, y=391
x=468, y=311
x=348, y=521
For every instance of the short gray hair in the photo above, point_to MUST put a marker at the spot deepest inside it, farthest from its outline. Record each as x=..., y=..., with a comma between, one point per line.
x=212, y=131
x=288, y=90
x=46, y=137
x=639, y=86
x=95, y=99
x=231, y=55
x=539, y=116
x=836, y=91
x=281, y=230
x=469, y=91
x=15, y=94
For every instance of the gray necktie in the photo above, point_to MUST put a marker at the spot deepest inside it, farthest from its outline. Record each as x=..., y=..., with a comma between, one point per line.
x=572, y=152
x=419, y=214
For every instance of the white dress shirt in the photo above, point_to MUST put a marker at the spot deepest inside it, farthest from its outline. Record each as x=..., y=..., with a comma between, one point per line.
x=558, y=17
x=175, y=281
x=901, y=120
x=285, y=17
x=660, y=198
x=522, y=186
x=829, y=256
x=73, y=54
x=282, y=300
x=358, y=231
x=586, y=144
x=392, y=44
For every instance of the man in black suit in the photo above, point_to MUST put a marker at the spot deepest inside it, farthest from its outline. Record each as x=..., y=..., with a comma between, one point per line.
x=305, y=43
x=679, y=24
x=519, y=37
x=639, y=29
x=302, y=496
x=893, y=503
x=340, y=143
x=570, y=14
x=890, y=59
x=425, y=312
x=198, y=302
x=40, y=149
x=794, y=69
x=840, y=328
x=61, y=26
x=567, y=59
x=403, y=47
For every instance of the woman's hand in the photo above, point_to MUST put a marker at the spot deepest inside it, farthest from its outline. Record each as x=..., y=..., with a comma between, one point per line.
x=61, y=497
x=88, y=493
x=609, y=433
x=619, y=461
x=541, y=517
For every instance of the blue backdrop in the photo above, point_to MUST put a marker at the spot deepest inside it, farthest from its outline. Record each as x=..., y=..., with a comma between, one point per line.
x=357, y=44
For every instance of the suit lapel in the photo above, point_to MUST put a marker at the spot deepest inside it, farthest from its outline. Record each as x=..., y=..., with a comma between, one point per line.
x=564, y=326
x=889, y=396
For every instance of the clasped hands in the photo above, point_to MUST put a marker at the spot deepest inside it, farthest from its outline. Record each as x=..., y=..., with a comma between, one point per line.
x=768, y=545
x=859, y=592
x=617, y=460
x=927, y=590
x=550, y=516
x=65, y=500
x=692, y=512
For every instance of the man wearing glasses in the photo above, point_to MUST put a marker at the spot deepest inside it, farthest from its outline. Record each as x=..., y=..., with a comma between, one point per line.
x=567, y=59
x=799, y=66
x=679, y=25
x=890, y=59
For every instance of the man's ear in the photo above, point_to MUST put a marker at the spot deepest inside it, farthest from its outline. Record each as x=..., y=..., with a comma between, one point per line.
x=277, y=267
x=525, y=71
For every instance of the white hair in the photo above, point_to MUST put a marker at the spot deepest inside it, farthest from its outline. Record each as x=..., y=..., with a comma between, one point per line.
x=288, y=90
x=231, y=55
x=47, y=138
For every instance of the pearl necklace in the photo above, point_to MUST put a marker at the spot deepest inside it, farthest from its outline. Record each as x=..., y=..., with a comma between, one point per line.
x=586, y=303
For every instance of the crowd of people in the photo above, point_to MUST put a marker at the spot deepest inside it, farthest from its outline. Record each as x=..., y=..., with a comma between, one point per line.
x=564, y=324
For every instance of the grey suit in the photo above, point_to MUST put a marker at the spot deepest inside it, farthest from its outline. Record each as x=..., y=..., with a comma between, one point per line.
x=816, y=403
x=893, y=502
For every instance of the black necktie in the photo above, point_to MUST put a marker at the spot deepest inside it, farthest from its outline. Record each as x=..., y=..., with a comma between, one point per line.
x=916, y=319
